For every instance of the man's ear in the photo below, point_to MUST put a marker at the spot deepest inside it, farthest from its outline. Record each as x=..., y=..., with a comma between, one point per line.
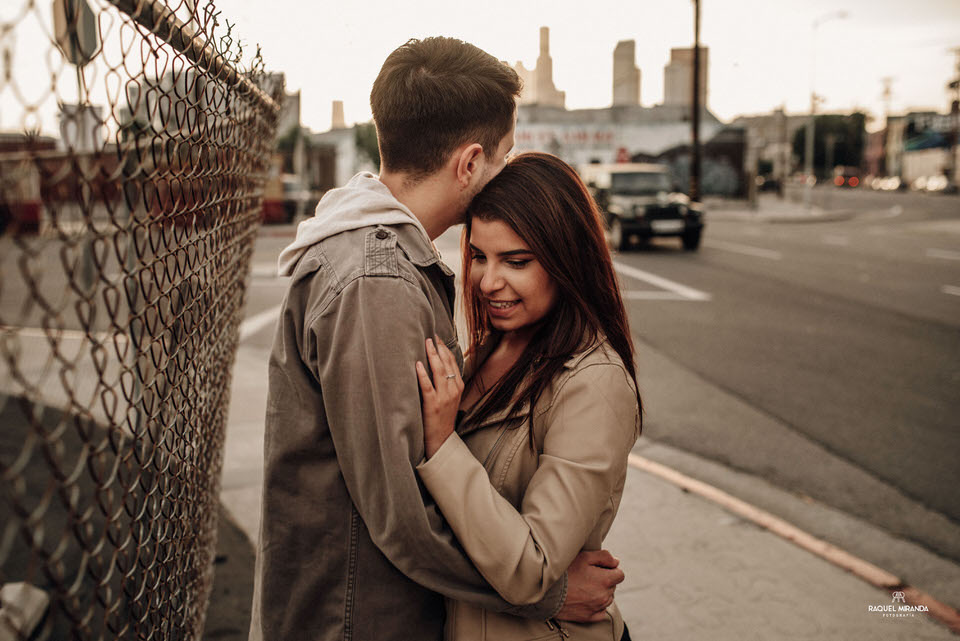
x=469, y=164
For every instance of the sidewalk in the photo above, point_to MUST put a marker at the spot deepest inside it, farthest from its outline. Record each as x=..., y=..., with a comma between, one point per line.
x=771, y=209
x=695, y=569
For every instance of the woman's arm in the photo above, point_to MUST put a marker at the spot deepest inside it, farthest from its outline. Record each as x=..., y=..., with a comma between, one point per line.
x=590, y=429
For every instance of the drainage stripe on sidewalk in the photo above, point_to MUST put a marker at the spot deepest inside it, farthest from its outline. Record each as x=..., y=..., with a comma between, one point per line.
x=865, y=570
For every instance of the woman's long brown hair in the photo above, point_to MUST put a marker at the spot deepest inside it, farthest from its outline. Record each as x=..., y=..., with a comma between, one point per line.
x=547, y=205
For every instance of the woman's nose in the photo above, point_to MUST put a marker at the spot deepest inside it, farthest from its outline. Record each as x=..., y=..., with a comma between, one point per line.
x=490, y=281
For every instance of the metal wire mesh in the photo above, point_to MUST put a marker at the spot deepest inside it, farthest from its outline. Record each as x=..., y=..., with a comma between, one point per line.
x=134, y=146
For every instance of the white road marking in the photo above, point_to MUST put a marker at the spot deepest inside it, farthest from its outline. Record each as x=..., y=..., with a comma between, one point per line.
x=950, y=289
x=650, y=294
x=688, y=293
x=248, y=328
x=264, y=270
x=255, y=323
x=833, y=239
x=943, y=253
x=747, y=250
x=61, y=334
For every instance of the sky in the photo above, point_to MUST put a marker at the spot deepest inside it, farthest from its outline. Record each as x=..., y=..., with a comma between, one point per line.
x=762, y=54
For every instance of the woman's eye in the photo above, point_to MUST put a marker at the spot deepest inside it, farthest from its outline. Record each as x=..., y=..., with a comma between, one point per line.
x=518, y=264
x=479, y=258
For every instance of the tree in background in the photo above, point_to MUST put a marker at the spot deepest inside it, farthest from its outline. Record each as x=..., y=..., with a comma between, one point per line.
x=849, y=135
x=365, y=135
x=287, y=145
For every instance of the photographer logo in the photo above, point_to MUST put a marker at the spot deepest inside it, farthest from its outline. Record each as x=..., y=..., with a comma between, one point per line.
x=895, y=611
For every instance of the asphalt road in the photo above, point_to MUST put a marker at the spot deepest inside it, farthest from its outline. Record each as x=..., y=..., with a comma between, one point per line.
x=824, y=357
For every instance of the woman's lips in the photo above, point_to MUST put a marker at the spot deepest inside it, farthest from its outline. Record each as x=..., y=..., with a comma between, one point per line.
x=501, y=308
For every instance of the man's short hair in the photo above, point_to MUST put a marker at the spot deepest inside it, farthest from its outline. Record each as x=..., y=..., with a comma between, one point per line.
x=435, y=94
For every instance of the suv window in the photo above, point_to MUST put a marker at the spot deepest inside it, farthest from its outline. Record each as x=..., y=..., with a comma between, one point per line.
x=639, y=183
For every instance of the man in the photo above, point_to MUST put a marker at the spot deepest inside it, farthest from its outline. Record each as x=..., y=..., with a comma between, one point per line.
x=351, y=547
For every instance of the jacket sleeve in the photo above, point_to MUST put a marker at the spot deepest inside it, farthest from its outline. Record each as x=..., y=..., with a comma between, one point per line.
x=365, y=345
x=589, y=431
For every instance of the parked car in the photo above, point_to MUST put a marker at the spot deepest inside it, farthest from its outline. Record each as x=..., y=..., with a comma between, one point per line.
x=638, y=202
x=298, y=200
x=285, y=199
x=846, y=176
x=937, y=183
x=886, y=183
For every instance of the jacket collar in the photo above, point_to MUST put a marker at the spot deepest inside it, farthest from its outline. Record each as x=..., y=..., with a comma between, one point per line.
x=470, y=368
x=474, y=362
x=589, y=348
x=506, y=414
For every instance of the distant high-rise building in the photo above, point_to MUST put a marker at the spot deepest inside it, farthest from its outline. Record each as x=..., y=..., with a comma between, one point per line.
x=538, y=87
x=678, y=77
x=338, y=121
x=527, y=78
x=626, y=75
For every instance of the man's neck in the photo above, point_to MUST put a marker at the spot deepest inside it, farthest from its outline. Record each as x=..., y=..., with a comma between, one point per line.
x=425, y=198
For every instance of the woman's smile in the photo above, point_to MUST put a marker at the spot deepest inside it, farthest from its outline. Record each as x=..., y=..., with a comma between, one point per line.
x=502, y=308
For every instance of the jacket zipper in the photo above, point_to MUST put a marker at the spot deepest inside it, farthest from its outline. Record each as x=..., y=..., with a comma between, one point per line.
x=553, y=624
x=503, y=432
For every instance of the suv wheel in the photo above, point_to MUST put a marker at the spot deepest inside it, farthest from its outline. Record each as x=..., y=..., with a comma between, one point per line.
x=691, y=240
x=615, y=236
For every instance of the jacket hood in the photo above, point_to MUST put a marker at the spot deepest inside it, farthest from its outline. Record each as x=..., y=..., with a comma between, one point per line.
x=362, y=202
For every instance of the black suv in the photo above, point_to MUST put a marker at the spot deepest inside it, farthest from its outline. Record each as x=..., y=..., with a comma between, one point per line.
x=638, y=202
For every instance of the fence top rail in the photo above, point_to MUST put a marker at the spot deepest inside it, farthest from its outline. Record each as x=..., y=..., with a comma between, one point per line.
x=161, y=20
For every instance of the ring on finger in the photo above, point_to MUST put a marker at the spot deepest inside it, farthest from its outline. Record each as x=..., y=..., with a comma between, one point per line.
x=450, y=376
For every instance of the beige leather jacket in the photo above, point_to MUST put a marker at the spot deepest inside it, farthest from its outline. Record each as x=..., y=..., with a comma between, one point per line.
x=523, y=515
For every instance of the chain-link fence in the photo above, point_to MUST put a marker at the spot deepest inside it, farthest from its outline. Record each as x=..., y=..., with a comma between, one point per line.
x=134, y=145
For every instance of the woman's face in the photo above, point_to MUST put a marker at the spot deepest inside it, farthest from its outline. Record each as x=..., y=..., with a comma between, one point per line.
x=515, y=290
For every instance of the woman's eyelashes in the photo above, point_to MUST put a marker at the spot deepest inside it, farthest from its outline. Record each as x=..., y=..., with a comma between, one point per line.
x=515, y=263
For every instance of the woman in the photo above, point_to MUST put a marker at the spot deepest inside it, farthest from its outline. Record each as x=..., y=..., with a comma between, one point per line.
x=550, y=408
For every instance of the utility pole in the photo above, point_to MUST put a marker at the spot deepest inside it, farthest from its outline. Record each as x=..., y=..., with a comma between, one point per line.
x=954, y=87
x=808, y=146
x=695, y=160
x=831, y=140
x=886, y=95
x=784, y=154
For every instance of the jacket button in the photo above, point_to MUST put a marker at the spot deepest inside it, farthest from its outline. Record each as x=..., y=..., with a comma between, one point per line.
x=381, y=234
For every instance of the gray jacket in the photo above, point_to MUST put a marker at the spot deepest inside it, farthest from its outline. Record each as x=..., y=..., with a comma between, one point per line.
x=351, y=545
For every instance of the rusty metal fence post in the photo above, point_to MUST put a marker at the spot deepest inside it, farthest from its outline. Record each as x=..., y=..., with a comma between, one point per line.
x=134, y=146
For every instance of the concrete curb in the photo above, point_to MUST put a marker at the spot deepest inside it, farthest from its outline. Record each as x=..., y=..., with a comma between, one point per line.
x=878, y=577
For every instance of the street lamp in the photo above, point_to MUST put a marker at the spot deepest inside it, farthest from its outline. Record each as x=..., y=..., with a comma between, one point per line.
x=695, y=151
x=808, y=142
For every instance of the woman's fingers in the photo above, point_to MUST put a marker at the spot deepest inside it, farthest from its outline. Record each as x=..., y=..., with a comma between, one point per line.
x=440, y=399
x=425, y=385
x=436, y=363
x=450, y=363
